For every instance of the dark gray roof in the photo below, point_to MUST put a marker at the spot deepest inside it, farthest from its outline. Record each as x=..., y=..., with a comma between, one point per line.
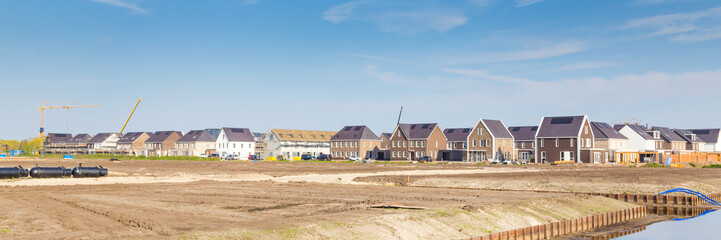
x=686, y=135
x=161, y=136
x=100, y=137
x=355, y=133
x=639, y=129
x=568, y=126
x=215, y=132
x=457, y=134
x=80, y=138
x=131, y=137
x=668, y=135
x=59, y=137
x=259, y=136
x=707, y=135
x=197, y=136
x=602, y=130
x=417, y=130
x=497, y=128
x=524, y=133
x=387, y=135
x=238, y=134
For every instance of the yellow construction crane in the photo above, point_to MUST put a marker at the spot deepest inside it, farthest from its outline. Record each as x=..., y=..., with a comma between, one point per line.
x=131, y=115
x=42, y=109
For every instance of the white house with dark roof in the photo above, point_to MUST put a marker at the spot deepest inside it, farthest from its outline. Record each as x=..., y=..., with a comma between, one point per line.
x=237, y=143
x=194, y=143
x=711, y=138
x=103, y=143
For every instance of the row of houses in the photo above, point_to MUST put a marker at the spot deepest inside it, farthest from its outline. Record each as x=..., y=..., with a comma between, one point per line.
x=564, y=138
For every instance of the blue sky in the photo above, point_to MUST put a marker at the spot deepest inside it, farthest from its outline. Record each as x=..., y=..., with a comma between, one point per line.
x=324, y=64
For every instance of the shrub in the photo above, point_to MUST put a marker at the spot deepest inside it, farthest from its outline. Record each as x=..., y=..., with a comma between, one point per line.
x=653, y=165
x=713, y=166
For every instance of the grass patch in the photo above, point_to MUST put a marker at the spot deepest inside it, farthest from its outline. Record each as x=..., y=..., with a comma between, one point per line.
x=692, y=165
x=713, y=166
x=653, y=165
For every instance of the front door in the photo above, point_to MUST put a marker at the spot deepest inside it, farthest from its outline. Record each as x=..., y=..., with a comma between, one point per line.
x=596, y=157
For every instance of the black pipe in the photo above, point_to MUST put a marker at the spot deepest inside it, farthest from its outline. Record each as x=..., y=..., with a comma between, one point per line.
x=13, y=172
x=50, y=172
x=81, y=172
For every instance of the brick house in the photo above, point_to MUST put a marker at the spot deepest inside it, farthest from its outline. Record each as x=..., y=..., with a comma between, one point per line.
x=132, y=143
x=161, y=143
x=194, y=143
x=608, y=138
x=413, y=141
x=672, y=142
x=357, y=141
x=490, y=139
x=385, y=141
x=693, y=142
x=567, y=138
x=457, y=145
x=525, y=140
x=711, y=138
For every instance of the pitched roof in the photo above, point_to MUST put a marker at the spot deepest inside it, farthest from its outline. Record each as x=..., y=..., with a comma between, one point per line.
x=639, y=129
x=524, y=133
x=100, y=137
x=132, y=136
x=215, y=132
x=303, y=135
x=707, y=135
x=59, y=137
x=686, y=135
x=457, y=134
x=497, y=128
x=568, y=126
x=197, y=136
x=387, y=135
x=355, y=133
x=668, y=135
x=160, y=136
x=238, y=134
x=418, y=130
x=602, y=130
x=80, y=138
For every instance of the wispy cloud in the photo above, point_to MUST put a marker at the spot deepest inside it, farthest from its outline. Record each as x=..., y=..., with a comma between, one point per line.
x=555, y=50
x=677, y=23
x=480, y=74
x=523, y=3
x=698, y=36
x=135, y=9
x=377, y=58
x=586, y=65
x=413, y=19
x=389, y=77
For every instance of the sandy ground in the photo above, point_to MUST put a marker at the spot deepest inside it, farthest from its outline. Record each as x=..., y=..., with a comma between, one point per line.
x=280, y=200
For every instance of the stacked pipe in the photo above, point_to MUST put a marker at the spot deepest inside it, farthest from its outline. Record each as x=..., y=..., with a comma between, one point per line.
x=53, y=172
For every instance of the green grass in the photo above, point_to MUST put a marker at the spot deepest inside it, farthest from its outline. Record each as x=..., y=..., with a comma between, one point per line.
x=653, y=165
x=713, y=166
x=692, y=165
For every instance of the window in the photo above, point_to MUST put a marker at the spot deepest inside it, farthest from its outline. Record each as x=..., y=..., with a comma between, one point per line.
x=394, y=154
x=523, y=144
x=588, y=142
x=488, y=142
x=465, y=145
x=572, y=140
x=556, y=142
x=586, y=129
x=480, y=131
x=404, y=154
x=423, y=143
x=571, y=155
x=541, y=142
x=394, y=144
x=474, y=142
x=436, y=144
x=448, y=145
x=515, y=144
x=543, y=157
x=404, y=143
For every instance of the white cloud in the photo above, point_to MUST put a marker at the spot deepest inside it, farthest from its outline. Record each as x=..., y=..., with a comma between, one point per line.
x=673, y=19
x=523, y=3
x=123, y=4
x=250, y=2
x=480, y=74
x=698, y=36
x=377, y=58
x=560, y=49
x=410, y=20
x=586, y=65
x=389, y=77
x=482, y=3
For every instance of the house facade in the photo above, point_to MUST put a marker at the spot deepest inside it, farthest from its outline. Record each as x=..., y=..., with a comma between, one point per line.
x=132, y=143
x=413, y=141
x=490, y=140
x=357, y=141
x=608, y=138
x=711, y=138
x=566, y=138
x=56, y=142
x=693, y=142
x=161, y=143
x=236, y=142
x=525, y=142
x=288, y=143
x=672, y=142
x=103, y=143
x=457, y=144
x=385, y=141
x=194, y=143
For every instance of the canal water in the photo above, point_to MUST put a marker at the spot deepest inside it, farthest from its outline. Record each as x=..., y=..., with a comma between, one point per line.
x=704, y=226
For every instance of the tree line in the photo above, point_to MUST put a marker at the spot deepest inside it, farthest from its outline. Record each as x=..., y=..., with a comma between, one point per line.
x=27, y=145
